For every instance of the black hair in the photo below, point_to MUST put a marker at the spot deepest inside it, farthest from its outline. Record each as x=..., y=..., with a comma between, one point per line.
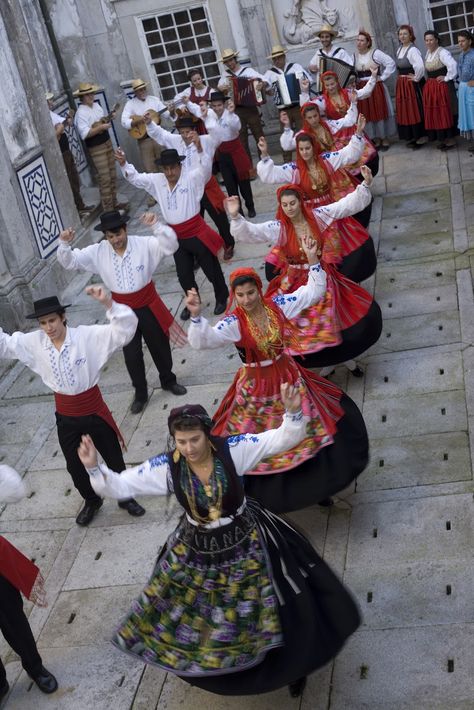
x=435, y=34
x=241, y=280
x=193, y=72
x=188, y=423
x=288, y=192
x=466, y=34
x=304, y=137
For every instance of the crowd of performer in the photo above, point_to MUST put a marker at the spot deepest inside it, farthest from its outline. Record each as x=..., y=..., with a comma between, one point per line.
x=238, y=601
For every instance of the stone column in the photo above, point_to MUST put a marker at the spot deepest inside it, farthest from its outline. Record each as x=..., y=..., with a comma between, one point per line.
x=238, y=32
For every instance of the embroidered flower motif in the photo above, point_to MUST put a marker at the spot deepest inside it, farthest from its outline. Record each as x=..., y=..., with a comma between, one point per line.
x=227, y=320
x=158, y=460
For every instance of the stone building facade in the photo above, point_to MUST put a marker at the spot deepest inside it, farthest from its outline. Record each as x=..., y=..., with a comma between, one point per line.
x=54, y=44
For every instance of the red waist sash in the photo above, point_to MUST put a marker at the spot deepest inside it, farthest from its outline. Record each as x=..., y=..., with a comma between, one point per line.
x=197, y=227
x=148, y=296
x=21, y=572
x=240, y=158
x=84, y=403
x=214, y=194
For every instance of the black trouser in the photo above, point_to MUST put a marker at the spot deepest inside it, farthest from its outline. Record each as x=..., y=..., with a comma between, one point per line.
x=232, y=182
x=16, y=630
x=159, y=346
x=219, y=219
x=70, y=431
x=184, y=260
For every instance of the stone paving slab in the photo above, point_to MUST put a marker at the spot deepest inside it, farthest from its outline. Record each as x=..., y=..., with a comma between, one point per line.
x=98, y=563
x=418, y=414
x=416, y=461
x=406, y=669
x=407, y=332
x=82, y=615
x=407, y=246
x=439, y=593
x=416, y=374
x=96, y=676
x=415, y=202
x=435, y=299
x=433, y=222
x=394, y=278
x=51, y=495
x=390, y=534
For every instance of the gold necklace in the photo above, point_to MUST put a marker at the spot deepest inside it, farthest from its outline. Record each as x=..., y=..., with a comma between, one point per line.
x=214, y=506
x=317, y=176
x=267, y=337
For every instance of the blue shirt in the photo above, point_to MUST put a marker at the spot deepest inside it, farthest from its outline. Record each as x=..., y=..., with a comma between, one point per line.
x=466, y=65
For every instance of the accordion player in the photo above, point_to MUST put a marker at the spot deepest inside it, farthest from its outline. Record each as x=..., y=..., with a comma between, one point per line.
x=286, y=91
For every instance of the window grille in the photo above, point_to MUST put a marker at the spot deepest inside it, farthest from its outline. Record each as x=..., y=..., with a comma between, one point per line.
x=449, y=17
x=178, y=41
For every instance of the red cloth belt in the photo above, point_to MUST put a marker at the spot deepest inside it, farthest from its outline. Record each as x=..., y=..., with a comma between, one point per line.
x=85, y=403
x=197, y=227
x=21, y=572
x=148, y=296
x=239, y=156
x=215, y=195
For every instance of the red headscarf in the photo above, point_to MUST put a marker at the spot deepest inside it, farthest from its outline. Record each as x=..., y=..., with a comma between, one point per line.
x=289, y=333
x=328, y=139
x=333, y=111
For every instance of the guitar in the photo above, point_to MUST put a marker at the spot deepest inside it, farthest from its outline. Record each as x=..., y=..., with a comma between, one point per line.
x=109, y=117
x=139, y=131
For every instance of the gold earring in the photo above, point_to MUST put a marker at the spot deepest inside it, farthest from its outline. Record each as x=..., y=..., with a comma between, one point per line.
x=176, y=455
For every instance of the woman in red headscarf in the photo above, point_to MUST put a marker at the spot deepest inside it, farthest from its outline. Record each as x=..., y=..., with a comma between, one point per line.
x=347, y=321
x=323, y=184
x=263, y=330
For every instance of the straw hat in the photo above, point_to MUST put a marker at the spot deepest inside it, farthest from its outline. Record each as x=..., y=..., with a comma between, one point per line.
x=49, y=96
x=277, y=51
x=229, y=54
x=139, y=84
x=327, y=28
x=85, y=87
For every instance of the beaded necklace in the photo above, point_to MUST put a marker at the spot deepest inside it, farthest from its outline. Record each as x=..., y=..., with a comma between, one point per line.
x=267, y=337
x=212, y=490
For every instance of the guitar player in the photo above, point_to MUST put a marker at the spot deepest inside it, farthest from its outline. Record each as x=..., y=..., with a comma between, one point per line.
x=93, y=127
x=132, y=118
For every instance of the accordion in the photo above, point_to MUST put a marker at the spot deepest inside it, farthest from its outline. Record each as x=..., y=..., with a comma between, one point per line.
x=345, y=72
x=245, y=93
x=286, y=91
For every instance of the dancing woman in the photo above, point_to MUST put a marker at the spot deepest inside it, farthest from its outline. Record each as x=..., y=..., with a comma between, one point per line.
x=238, y=602
x=335, y=448
x=323, y=182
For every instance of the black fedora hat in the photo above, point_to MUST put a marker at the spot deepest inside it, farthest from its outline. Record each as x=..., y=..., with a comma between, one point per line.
x=45, y=306
x=170, y=156
x=218, y=96
x=186, y=122
x=111, y=220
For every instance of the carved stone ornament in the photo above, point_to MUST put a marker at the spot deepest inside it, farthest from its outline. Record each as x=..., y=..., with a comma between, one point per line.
x=305, y=18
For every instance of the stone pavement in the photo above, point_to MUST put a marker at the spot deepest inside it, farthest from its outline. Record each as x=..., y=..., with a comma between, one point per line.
x=402, y=538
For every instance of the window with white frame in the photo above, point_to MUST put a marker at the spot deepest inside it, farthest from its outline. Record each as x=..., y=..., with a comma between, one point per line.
x=449, y=17
x=178, y=41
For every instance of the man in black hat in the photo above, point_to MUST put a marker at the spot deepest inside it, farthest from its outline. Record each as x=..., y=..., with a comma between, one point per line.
x=69, y=361
x=234, y=164
x=179, y=195
x=125, y=264
x=186, y=143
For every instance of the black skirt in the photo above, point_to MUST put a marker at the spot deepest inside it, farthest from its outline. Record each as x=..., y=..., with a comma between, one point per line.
x=361, y=263
x=317, y=613
x=332, y=469
x=355, y=340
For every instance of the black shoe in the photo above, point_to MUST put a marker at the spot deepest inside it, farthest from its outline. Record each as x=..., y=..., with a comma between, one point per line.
x=326, y=502
x=228, y=253
x=297, y=687
x=4, y=690
x=220, y=307
x=251, y=213
x=185, y=314
x=417, y=146
x=45, y=680
x=85, y=516
x=138, y=405
x=357, y=372
x=132, y=507
x=176, y=388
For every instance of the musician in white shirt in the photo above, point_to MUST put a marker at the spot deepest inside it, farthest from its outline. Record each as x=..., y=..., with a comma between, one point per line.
x=184, y=142
x=234, y=163
x=125, y=264
x=179, y=195
x=280, y=69
x=94, y=131
x=249, y=115
x=326, y=35
x=69, y=361
x=132, y=117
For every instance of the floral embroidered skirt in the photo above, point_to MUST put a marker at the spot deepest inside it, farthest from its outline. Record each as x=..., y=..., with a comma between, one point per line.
x=256, y=613
x=210, y=607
